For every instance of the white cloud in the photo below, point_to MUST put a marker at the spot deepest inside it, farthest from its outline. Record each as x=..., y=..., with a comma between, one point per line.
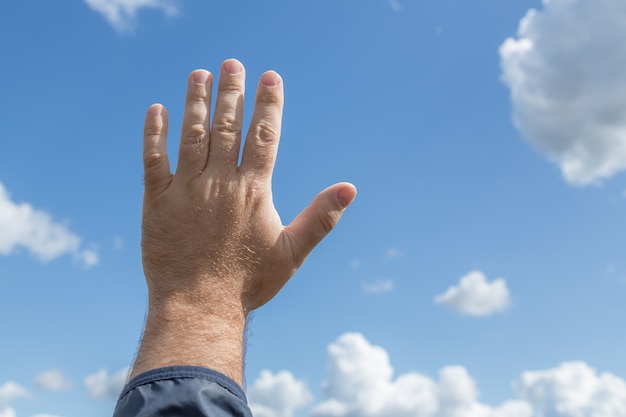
x=574, y=389
x=378, y=287
x=10, y=391
x=101, y=385
x=53, y=380
x=24, y=226
x=568, y=87
x=121, y=14
x=359, y=382
x=474, y=296
x=277, y=395
x=87, y=258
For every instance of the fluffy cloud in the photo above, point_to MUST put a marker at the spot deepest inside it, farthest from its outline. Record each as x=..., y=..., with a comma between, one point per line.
x=53, y=380
x=568, y=87
x=474, y=296
x=9, y=391
x=121, y=14
x=277, y=395
x=24, y=226
x=574, y=389
x=359, y=382
x=378, y=287
x=101, y=385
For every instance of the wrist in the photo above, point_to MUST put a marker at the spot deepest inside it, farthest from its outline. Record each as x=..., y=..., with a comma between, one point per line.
x=181, y=332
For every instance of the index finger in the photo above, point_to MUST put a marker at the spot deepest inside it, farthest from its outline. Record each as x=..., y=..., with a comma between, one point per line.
x=259, y=153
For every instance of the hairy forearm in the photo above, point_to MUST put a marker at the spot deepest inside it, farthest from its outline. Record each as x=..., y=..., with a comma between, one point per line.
x=182, y=333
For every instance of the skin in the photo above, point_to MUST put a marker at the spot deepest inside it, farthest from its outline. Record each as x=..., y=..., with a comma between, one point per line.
x=213, y=246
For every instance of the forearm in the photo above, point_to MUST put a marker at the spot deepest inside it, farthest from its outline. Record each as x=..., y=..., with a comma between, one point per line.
x=181, y=333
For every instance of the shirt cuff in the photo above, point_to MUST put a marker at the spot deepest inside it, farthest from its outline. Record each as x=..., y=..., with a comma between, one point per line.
x=178, y=372
x=182, y=391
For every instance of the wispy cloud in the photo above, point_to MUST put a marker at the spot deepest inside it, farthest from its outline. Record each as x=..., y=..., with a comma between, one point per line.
x=355, y=264
x=378, y=287
x=118, y=243
x=122, y=14
x=393, y=253
x=568, y=87
x=43, y=415
x=474, y=296
x=32, y=229
x=53, y=380
x=395, y=5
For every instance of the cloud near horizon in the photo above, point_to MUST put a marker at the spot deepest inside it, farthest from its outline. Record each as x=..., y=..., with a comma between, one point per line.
x=277, y=395
x=567, y=85
x=360, y=382
x=103, y=385
x=122, y=14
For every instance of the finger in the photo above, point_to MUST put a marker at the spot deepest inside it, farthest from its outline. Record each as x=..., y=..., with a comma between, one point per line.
x=227, y=120
x=156, y=164
x=259, y=154
x=318, y=219
x=194, y=141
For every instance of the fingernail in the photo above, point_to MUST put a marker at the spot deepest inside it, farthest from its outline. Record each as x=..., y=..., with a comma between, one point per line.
x=345, y=196
x=270, y=79
x=232, y=67
x=155, y=110
x=200, y=76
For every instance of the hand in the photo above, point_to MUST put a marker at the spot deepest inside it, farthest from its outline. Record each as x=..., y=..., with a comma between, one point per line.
x=214, y=247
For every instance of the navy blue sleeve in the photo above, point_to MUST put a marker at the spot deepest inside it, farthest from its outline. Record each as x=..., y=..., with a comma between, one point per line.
x=188, y=391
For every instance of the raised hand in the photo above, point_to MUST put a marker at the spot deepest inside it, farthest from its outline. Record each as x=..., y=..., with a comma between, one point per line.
x=214, y=247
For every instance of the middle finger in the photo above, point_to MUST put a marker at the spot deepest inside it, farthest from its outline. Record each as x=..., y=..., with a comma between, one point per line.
x=228, y=118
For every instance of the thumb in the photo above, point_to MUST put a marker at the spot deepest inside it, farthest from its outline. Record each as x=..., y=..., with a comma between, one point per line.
x=318, y=219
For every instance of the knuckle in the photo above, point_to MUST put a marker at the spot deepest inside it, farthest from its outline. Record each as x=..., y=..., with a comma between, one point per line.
x=265, y=132
x=227, y=125
x=194, y=136
x=152, y=130
x=231, y=86
x=152, y=159
x=327, y=220
x=198, y=94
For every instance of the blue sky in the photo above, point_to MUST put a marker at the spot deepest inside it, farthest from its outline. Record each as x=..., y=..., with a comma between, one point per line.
x=480, y=271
